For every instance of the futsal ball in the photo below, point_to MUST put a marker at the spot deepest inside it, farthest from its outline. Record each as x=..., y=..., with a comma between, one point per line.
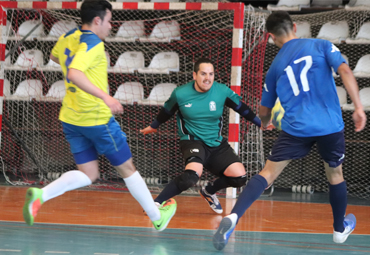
x=277, y=114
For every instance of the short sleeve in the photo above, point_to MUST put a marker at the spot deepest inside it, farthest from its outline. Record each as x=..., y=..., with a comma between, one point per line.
x=269, y=90
x=333, y=55
x=84, y=58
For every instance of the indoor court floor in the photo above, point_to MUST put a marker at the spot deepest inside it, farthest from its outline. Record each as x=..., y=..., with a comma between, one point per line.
x=111, y=223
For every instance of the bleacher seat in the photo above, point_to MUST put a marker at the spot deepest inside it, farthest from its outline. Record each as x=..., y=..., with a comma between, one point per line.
x=326, y=3
x=362, y=68
x=129, y=62
x=342, y=95
x=358, y=5
x=363, y=35
x=29, y=59
x=61, y=27
x=129, y=92
x=129, y=31
x=164, y=63
x=159, y=94
x=26, y=90
x=289, y=5
x=56, y=92
x=364, y=98
x=27, y=26
x=164, y=31
x=334, y=31
x=51, y=65
x=6, y=88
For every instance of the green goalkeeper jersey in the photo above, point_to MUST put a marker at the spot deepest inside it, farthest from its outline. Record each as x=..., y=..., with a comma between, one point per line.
x=199, y=115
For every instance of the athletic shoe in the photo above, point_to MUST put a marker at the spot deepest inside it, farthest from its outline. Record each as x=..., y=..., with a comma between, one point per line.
x=32, y=204
x=227, y=225
x=167, y=210
x=158, y=205
x=212, y=200
x=349, y=225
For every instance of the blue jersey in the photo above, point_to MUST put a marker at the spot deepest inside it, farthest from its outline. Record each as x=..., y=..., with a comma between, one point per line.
x=301, y=77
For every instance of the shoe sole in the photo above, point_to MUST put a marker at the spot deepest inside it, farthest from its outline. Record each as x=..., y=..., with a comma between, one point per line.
x=219, y=238
x=165, y=225
x=27, y=216
x=218, y=211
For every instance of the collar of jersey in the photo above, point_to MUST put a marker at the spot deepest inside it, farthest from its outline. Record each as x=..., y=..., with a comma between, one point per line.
x=85, y=31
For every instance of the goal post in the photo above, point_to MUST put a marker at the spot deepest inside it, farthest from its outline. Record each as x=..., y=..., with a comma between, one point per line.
x=151, y=50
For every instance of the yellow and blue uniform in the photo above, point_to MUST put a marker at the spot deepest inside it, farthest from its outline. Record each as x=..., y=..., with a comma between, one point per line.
x=87, y=121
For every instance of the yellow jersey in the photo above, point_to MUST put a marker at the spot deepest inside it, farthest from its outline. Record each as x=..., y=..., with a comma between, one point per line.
x=83, y=50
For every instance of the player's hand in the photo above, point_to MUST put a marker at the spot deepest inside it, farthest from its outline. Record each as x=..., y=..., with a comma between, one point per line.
x=359, y=117
x=148, y=130
x=113, y=104
x=268, y=128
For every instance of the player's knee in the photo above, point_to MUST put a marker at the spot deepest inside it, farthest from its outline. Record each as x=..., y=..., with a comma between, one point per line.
x=186, y=180
x=236, y=182
x=193, y=160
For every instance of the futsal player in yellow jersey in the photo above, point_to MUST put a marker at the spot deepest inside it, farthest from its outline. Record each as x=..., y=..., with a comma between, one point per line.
x=87, y=118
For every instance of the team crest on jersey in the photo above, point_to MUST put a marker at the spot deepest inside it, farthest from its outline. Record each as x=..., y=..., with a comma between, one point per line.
x=334, y=48
x=212, y=106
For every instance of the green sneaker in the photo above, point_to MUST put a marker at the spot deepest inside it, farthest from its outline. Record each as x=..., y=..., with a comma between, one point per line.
x=32, y=204
x=167, y=210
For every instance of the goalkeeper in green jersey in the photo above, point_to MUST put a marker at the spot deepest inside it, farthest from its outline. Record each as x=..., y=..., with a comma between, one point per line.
x=199, y=105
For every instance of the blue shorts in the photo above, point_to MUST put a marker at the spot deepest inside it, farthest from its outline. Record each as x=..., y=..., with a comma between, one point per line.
x=331, y=147
x=87, y=142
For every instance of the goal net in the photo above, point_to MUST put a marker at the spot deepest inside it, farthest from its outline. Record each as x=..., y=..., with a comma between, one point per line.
x=150, y=51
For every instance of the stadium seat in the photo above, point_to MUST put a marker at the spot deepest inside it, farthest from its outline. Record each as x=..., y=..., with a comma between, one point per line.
x=364, y=98
x=362, y=68
x=51, y=65
x=342, y=95
x=289, y=5
x=363, y=35
x=164, y=63
x=159, y=94
x=164, y=31
x=335, y=31
x=129, y=92
x=326, y=3
x=358, y=5
x=61, y=27
x=6, y=88
x=56, y=92
x=129, y=31
x=29, y=59
x=27, y=26
x=27, y=90
x=129, y=62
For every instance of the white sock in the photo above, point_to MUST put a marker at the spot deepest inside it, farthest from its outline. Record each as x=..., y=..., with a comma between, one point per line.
x=140, y=192
x=68, y=181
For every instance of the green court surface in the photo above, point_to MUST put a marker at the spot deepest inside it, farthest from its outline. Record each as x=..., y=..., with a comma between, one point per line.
x=17, y=238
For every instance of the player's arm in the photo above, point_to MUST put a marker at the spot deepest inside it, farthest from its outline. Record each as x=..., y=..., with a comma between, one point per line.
x=244, y=110
x=169, y=109
x=78, y=78
x=350, y=83
x=265, y=116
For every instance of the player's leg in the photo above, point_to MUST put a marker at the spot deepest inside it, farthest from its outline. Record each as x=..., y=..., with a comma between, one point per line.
x=332, y=149
x=193, y=153
x=112, y=143
x=285, y=149
x=224, y=163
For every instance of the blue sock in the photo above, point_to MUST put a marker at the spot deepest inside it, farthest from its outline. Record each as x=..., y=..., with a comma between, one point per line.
x=251, y=193
x=338, y=201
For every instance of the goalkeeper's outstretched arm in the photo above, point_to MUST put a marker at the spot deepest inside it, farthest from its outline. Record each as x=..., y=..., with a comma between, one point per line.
x=162, y=117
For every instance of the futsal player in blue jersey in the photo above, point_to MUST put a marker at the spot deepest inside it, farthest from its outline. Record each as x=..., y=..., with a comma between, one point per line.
x=301, y=77
x=87, y=118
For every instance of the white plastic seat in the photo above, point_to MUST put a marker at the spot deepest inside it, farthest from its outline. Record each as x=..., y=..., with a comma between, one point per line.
x=159, y=94
x=129, y=92
x=51, y=65
x=362, y=68
x=359, y=5
x=27, y=26
x=29, y=59
x=164, y=31
x=342, y=95
x=61, y=27
x=129, y=61
x=363, y=35
x=289, y=5
x=164, y=63
x=364, y=98
x=27, y=90
x=6, y=88
x=326, y=3
x=336, y=31
x=56, y=92
x=129, y=31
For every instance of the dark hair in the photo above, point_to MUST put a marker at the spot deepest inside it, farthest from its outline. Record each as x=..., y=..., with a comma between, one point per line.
x=94, y=8
x=279, y=23
x=201, y=61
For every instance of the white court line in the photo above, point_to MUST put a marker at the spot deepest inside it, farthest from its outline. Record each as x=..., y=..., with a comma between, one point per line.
x=106, y=254
x=58, y=252
x=10, y=250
